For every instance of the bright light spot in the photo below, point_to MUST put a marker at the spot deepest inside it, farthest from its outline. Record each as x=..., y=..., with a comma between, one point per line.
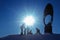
x=29, y=20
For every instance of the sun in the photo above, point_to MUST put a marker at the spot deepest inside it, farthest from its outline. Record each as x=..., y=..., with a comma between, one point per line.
x=29, y=20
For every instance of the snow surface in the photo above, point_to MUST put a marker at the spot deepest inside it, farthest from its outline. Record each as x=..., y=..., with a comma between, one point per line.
x=32, y=37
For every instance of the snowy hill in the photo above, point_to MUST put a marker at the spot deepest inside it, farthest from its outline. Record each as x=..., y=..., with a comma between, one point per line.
x=32, y=37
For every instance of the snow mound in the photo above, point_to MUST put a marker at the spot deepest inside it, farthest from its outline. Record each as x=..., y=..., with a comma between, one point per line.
x=32, y=37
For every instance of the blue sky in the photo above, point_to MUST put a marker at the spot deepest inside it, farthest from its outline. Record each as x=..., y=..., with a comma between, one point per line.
x=12, y=12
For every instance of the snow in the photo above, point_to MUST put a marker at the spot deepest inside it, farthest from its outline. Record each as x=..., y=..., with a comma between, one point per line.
x=32, y=37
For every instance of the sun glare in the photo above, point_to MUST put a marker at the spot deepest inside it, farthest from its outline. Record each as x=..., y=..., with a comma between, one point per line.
x=29, y=20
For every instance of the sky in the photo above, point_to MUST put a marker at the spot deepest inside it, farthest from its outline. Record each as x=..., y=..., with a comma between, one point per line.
x=12, y=13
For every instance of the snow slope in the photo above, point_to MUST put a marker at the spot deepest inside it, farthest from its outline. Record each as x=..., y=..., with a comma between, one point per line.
x=32, y=37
